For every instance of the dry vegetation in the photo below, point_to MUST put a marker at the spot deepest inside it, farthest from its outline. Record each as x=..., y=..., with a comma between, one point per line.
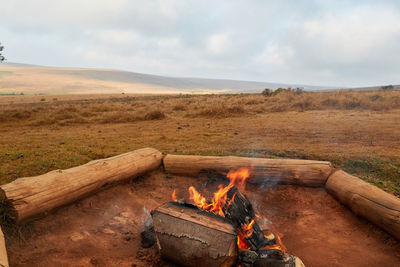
x=357, y=131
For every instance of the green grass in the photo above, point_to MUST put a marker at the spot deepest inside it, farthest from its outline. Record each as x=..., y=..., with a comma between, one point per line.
x=381, y=173
x=4, y=73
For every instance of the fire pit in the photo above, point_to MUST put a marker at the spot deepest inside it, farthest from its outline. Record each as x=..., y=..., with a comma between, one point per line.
x=221, y=232
x=99, y=224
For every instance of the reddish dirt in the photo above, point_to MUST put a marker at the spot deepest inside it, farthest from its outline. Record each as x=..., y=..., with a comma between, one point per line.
x=104, y=229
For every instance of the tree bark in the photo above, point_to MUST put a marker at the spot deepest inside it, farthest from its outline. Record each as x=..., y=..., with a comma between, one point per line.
x=374, y=204
x=31, y=196
x=273, y=171
x=3, y=251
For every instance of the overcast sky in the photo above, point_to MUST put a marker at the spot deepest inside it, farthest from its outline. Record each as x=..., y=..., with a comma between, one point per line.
x=338, y=43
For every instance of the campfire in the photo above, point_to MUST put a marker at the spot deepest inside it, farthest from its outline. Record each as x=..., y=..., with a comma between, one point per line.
x=223, y=231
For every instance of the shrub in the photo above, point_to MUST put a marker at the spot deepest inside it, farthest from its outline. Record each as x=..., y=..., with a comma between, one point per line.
x=267, y=92
x=330, y=102
x=179, y=107
x=279, y=90
x=154, y=115
x=387, y=87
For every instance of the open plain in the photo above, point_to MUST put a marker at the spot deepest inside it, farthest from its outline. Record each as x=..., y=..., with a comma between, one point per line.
x=357, y=131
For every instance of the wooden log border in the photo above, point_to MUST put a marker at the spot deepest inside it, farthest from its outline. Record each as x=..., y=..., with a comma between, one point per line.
x=273, y=171
x=364, y=199
x=28, y=197
x=22, y=199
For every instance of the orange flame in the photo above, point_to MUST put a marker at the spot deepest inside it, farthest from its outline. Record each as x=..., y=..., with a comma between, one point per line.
x=173, y=196
x=279, y=245
x=236, y=179
x=248, y=229
x=241, y=242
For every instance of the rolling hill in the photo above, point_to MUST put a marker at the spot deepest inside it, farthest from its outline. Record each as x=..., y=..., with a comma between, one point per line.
x=31, y=79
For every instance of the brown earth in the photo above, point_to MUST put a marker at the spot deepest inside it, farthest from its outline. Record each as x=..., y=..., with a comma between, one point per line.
x=104, y=229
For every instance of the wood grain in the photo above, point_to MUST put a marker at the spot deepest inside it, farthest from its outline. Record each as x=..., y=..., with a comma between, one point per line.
x=29, y=196
x=366, y=200
x=275, y=171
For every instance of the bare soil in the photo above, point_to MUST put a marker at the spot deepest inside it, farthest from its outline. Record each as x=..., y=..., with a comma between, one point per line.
x=104, y=229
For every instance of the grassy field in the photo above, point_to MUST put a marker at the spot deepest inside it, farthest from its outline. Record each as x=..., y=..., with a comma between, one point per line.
x=357, y=131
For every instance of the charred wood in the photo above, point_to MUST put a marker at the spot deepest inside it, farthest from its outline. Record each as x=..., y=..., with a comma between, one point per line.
x=240, y=212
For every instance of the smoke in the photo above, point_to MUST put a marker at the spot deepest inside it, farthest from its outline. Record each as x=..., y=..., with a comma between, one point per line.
x=146, y=219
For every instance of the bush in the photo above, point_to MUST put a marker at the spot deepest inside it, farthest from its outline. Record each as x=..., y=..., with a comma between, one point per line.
x=279, y=90
x=387, y=87
x=179, y=107
x=267, y=92
x=154, y=115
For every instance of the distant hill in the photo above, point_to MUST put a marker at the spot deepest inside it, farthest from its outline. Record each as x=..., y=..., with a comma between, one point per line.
x=374, y=88
x=16, y=77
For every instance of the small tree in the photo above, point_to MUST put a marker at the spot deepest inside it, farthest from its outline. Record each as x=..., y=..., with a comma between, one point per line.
x=267, y=92
x=387, y=87
x=298, y=90
x=279, y=90
x=1, y=56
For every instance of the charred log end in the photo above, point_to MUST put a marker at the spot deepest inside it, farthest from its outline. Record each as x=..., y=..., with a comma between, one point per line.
x=240, y=212
x=8, y=213
x=268, y=258
x=148, y=237
x=192, y=237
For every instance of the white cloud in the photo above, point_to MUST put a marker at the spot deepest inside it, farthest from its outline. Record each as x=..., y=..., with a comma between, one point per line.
x=353, y=36
x=317, y=42
x=274, y=54
x=218, y=43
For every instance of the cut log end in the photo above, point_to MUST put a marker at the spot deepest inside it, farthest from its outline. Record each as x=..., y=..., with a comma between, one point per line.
x=192, y=237
x=8, y=213
x=3, y=251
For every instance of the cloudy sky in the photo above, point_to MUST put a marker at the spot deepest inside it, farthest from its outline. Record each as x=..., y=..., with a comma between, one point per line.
x=326, y=42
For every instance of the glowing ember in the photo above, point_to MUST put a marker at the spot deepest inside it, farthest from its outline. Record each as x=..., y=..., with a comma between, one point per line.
x=241, y=242
x=248, y=229
x=279, y=245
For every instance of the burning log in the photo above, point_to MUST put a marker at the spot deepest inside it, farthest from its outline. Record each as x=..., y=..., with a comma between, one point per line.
x=276, y=171
x=271, y=258
x=240, y=212
x=364, y=199
x=268, y=258
x=193, y=237
x=31, y=196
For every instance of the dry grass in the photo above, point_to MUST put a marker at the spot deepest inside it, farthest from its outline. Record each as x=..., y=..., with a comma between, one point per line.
x=129, y=108
x=357, y=131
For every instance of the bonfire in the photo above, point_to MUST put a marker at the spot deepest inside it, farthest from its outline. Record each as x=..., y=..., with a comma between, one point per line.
x=211, y=225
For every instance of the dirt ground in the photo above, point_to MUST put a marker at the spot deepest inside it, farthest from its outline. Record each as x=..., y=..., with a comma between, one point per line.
x=104, y=229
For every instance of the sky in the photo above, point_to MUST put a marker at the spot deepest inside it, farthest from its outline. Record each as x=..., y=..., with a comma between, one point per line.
x=326, y=42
